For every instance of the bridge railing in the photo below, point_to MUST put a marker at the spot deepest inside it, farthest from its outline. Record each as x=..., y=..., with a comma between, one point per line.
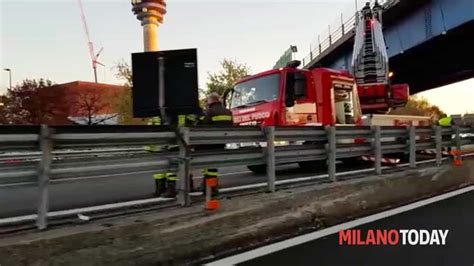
x=201, y=147
x=337, y=30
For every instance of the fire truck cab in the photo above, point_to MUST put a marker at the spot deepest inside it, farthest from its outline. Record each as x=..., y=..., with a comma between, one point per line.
x=296, y=97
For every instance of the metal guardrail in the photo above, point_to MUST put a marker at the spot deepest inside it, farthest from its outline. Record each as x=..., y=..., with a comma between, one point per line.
x=35, y=156
x=194, y=150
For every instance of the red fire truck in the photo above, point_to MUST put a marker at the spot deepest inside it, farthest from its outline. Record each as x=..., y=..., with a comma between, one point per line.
x=299, y=97
x=294, y=97
x=291, y=96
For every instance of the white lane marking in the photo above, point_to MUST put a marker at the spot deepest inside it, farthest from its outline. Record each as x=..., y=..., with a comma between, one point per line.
x=466, y=155
x=262, y=251
x=309, y=178
x=106, y=207
x=244, y=187
x=237, y=173
x=296, y=180
x=71, y=179
x=18, y=184
x=133, y=203
x=286, y=181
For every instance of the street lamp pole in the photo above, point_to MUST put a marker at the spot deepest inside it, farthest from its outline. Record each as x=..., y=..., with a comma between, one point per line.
x=10, y=76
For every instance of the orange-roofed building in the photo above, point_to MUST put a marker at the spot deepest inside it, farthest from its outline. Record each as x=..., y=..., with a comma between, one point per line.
x=83, y=103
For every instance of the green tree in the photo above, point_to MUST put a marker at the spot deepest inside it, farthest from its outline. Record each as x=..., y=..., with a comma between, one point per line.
x=123, y=102
x=419, y=106
x=31, y=103
x=231, y=72
x=124, y=72
x=3, y=111
x=88, y=103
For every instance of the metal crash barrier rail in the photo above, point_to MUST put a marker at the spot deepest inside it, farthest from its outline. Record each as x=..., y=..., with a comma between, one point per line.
x=51, y=149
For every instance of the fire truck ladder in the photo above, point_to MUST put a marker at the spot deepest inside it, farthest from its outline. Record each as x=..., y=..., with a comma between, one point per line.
x=370, y=60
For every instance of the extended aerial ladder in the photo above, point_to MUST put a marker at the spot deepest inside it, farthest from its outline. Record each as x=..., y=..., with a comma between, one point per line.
x=370, y=65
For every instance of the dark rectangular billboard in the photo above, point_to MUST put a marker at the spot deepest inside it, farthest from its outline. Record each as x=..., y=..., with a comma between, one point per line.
x=180, y=82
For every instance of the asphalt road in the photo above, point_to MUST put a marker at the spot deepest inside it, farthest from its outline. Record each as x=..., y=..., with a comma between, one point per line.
x=455, y=214
x=85, y=191
x=111, y=188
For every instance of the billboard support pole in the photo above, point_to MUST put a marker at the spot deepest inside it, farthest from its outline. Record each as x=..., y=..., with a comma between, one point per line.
x=161, y=91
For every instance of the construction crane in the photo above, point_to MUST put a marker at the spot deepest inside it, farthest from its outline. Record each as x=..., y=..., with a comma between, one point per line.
x=94, y=56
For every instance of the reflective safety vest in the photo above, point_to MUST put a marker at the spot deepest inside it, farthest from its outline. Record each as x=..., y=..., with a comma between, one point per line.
x=188, y=120
x=153, y=148
x=183, y=121
x=212, y=172
x=217, y=114
x=168, y=176
x=222, y=118
x=154, y=121
x=445, y=121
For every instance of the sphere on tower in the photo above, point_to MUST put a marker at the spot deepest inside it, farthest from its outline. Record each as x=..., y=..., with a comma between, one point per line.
x=151, y=14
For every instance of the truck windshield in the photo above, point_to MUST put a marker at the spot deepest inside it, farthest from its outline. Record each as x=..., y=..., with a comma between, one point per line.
x=255, y=91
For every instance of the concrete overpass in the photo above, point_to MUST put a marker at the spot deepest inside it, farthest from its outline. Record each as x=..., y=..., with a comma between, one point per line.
x=429, y=43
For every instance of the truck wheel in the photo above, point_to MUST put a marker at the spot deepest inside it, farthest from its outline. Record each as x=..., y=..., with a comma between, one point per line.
x=258, y=169
x=312, y=165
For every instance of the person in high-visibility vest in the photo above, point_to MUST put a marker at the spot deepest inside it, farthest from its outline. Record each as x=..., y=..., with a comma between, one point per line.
x=446, y=121
x=165, y=183
x=160, y=178
x=216, y=114
x=154, y=121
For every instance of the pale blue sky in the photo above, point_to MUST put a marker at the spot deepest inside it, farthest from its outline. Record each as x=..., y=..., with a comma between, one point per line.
x=46, y=39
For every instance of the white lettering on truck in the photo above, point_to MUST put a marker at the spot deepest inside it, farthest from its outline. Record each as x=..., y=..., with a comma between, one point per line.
x=251, y=117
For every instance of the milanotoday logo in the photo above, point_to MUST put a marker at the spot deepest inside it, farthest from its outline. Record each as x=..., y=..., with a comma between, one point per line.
x=393, y=237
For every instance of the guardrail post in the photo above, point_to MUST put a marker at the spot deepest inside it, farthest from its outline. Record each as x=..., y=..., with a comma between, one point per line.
x=319, y=44
x=184, y=183
x=270, y=158
x=46, y=146
x=330, y=38
x=457, y=139
x=342, y=23
x=438, y=144
x=331, y=152
x=377, y=149
x=412, y=146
